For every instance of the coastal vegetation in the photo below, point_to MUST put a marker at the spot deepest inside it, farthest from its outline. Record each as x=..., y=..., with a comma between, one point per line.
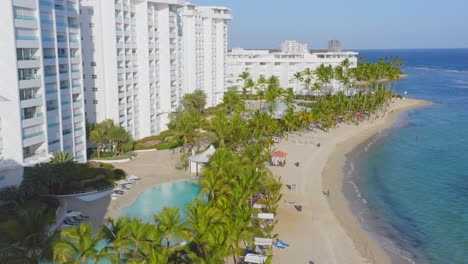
x=219, y=225
x=111, y=141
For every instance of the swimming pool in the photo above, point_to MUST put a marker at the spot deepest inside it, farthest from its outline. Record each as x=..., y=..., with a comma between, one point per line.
x=172, y=194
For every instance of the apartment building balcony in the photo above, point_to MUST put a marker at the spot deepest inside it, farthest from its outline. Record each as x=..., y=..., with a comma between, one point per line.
x=31, y=100
x=28, y=62
x=25, y=3
x=27, y=42
x=33, y=138
x=126, y=20
x=75, y=59
x=77, y=104
x=26, y=22
x=76, y=74
x=79, y=131
x=49, y=60
x=30, y=81
x=72, y=12
x=63, y=75
x=79, y=146
x=33, y=157
x=76, y=90
x=120, y=57
x=32, y=119
x=78, y=118
x=126, y=7
x=74, y=44
x=128, y=69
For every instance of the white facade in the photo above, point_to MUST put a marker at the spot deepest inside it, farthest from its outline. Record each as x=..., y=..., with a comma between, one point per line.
x=142, y=56
x=205, y=48
x=283, y=65
x=40, y=81
x=292, y=46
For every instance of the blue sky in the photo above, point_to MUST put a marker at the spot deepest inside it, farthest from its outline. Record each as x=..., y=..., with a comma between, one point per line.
x=359, y=24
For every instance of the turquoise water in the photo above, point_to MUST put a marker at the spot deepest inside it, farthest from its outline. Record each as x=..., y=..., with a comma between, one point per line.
x=414, y=181
x=152, y=201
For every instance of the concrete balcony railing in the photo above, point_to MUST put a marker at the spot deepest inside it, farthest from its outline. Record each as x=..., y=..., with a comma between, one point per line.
x=31, y=115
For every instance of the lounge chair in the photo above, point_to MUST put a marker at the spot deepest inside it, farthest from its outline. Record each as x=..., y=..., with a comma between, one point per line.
x=70, y=223
x=283, y=243
x=278, y=246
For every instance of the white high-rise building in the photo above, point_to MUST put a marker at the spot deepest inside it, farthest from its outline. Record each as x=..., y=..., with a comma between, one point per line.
x=280, y=64
x=142, y=56
x=205, y=48
x=41, y=110
x=292, y=46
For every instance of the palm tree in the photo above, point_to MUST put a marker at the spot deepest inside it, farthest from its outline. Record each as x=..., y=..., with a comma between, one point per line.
x=137, y=233
x=98, y=136
x=27, y=237
x=298, y=78
x=220, y=126
x=60, y=158
x=115, y=234
x=244, y=76
x=205, y=222
x=170, y=223
x=78, y=245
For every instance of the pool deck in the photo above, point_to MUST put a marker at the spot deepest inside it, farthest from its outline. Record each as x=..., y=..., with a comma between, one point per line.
x=153, y=168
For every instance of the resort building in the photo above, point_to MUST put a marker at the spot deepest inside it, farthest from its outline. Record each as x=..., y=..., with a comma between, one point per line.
x=142, y=56
x=205, y=48
x=41, y=89
x=282, y=65
x=292, y=46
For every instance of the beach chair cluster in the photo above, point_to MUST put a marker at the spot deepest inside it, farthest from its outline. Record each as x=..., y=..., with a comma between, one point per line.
x=73, y=218
x=123, y=186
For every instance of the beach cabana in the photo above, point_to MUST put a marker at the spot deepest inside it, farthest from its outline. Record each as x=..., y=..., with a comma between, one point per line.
x=278, y=158
x=260, y=241
x=254, y=258
x=259, y=206
x=198, y=161
x=266, y=216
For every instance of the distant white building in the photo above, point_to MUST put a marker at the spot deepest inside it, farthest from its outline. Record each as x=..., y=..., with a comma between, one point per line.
x=292, y=46
x=41, y=109
x=280, y=64
x=142, y=56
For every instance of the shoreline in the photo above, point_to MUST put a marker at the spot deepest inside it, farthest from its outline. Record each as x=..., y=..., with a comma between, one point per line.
x=327, y=231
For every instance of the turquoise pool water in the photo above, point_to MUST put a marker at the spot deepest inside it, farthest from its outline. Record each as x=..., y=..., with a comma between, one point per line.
x=152, y=201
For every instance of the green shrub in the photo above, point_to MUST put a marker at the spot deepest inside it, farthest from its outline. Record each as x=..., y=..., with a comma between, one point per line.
x=161, y=136
x=107, y=166
x=119, y=174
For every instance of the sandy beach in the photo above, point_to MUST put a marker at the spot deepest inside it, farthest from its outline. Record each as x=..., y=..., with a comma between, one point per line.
x=326, y=231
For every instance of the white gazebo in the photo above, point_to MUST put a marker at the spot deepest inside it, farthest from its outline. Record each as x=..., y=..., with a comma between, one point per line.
x=254, y=258
x=198, y=161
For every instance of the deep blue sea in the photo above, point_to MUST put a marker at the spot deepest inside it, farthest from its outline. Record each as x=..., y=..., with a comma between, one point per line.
x=414, y=180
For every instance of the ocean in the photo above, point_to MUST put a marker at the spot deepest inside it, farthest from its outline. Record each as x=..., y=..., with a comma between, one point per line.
x=412, y=179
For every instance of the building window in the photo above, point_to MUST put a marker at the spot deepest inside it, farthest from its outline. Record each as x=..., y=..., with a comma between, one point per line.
x=94, y=89
x=93, y=63
x=83, y=76
x=95, y=101
x=94, y=76
x=91, y=25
